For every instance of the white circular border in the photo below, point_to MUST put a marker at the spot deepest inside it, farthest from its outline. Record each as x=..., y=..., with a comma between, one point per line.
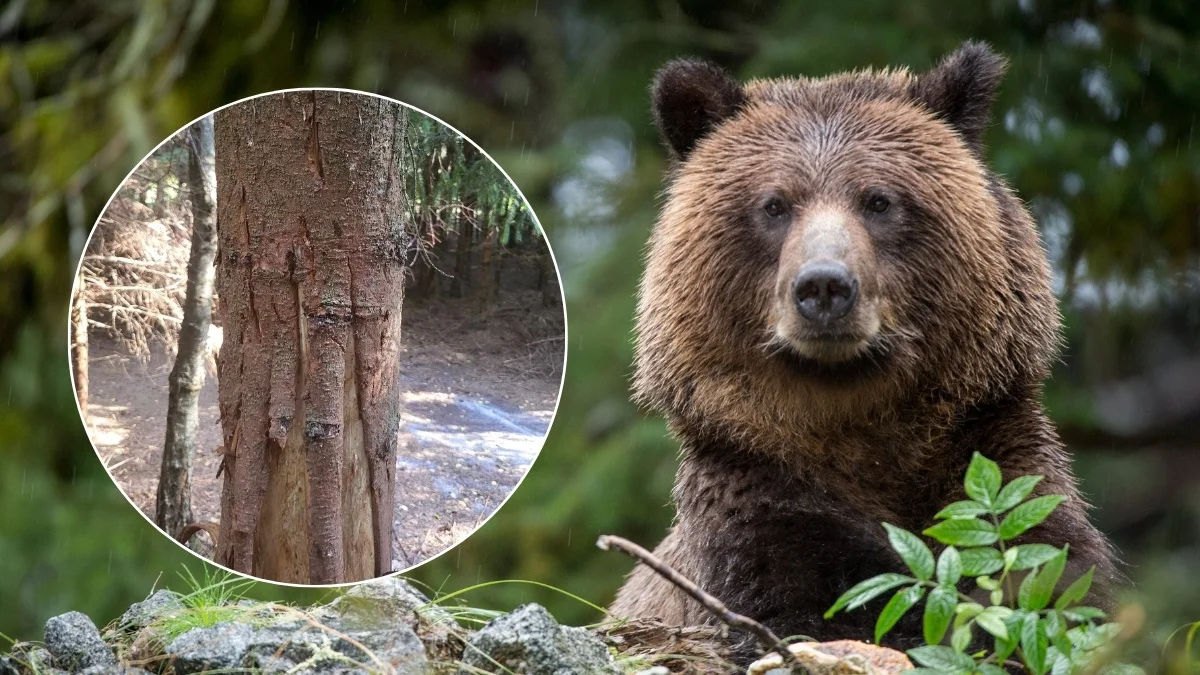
x=561, y=296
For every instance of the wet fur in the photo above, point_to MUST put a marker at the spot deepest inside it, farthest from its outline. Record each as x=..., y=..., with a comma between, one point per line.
x=789, y=465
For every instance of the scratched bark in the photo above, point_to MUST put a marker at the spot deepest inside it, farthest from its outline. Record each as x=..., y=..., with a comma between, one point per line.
x=311, y=282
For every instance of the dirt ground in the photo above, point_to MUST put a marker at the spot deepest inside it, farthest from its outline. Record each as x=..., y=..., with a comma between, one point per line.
x=478, y=398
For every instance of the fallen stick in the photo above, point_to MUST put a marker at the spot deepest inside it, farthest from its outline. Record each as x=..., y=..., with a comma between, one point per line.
x=714, y=606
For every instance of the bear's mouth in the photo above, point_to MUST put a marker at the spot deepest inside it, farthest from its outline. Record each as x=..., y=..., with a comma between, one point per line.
x=866, y=362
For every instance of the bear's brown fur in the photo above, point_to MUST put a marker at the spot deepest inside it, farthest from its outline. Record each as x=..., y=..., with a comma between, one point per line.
x=801, y=436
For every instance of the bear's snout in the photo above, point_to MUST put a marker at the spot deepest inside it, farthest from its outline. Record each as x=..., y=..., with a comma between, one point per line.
x=824, y=292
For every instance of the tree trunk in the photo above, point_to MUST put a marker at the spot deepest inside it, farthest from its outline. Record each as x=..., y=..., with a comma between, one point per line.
x=311, y=280
x=547, y=276
x=488, y=236
x=173, y=507
x=79, y=347
x=462, y=260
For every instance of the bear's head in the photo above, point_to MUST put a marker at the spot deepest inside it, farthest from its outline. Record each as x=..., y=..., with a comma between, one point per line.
x=832, y=250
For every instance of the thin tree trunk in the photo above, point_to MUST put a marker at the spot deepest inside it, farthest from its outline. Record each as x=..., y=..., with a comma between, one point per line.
x=547, y=276
x=462, y=259
x=311, y=279
x=488, y=235
x=173, y=507
x=79, y=347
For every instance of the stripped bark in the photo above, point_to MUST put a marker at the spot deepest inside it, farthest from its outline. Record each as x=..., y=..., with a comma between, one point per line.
x=311, y=279
x=79, y=347
x=173, y=506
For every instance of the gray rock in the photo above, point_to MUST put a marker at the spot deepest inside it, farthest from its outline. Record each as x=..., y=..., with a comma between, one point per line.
x=211, y=648
x=529, y=640
x=383, y=601
x=283, y=644
x=31, y=658
x=75, y=642
x=140, y=614
x=113, y=670
x=9, y=666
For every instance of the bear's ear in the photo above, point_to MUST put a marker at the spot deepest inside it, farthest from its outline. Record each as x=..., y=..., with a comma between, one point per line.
x=961, y=89
x=690, y=99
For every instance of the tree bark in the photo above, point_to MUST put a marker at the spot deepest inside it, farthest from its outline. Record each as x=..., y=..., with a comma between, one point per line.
x=487, y=236
x=79, y=347
x=311, y=278
x=173, y=507
x=462, y=259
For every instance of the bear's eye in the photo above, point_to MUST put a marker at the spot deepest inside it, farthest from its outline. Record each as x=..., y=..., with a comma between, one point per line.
x=878, y=204
x=775, y=207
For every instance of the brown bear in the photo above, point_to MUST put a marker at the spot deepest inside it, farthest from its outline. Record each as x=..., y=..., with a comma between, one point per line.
x=841, y=304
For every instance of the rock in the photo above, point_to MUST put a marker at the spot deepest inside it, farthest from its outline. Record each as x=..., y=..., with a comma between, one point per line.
x=9, y=666
x=383, y=601
x=113, y=670
x=27, y=657
x=841, y=657
x=528, y=640
x=210, y=648
x=140, y=614
x=320, y=643
x=75, y=642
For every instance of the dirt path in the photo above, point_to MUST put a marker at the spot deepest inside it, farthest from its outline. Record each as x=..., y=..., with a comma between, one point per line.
x=478, y=399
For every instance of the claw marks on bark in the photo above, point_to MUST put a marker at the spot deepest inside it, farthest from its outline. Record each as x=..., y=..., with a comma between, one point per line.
x=309, y=392
x=327, y=312
x=315, y=165
x=377, y=335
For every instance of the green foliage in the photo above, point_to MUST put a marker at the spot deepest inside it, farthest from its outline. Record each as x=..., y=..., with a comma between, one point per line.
x=213, y=599
x=1062, y=639
x=453, y=185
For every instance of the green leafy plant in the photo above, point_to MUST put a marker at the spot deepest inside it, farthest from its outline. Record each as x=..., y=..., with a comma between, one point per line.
x=1025, y=627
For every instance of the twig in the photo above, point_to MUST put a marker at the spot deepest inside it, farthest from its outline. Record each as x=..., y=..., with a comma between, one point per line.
x=714, y=606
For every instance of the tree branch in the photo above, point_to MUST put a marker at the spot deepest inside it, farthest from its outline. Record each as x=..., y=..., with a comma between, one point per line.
x=714, y=606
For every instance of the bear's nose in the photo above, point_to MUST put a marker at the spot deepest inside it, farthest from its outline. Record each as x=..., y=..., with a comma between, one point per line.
x=824, y=291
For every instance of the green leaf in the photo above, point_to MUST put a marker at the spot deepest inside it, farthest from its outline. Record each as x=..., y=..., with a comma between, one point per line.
x=897, y=607
x=996, y=597
x=1081, y=614
x=979, y=561
x=964, y=509
x=983, y=480
x=1075, y=592
x=991, y=669
x=1028, y=514
x=1033, y=643
x=961, y=638
x=965, y=611
x=964, y=532
x=942, y=658
x=1057, y=662
x=993, y=621
x=865, y=591
x=939, y=609
x=1027, y=556
x=949, y=566
x=1037, y=588
x=1054, y=625
x=1016, y=490
x=1012, y=625
x=912, y=551
x=987, y=583
x=1086, y=638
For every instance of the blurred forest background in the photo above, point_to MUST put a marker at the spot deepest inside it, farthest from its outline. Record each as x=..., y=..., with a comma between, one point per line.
x=1095, y=127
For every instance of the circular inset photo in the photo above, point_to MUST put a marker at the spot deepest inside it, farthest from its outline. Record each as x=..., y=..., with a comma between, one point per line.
x=317, y=336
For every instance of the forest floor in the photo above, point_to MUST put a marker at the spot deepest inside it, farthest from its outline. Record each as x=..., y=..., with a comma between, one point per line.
x=478, y=398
